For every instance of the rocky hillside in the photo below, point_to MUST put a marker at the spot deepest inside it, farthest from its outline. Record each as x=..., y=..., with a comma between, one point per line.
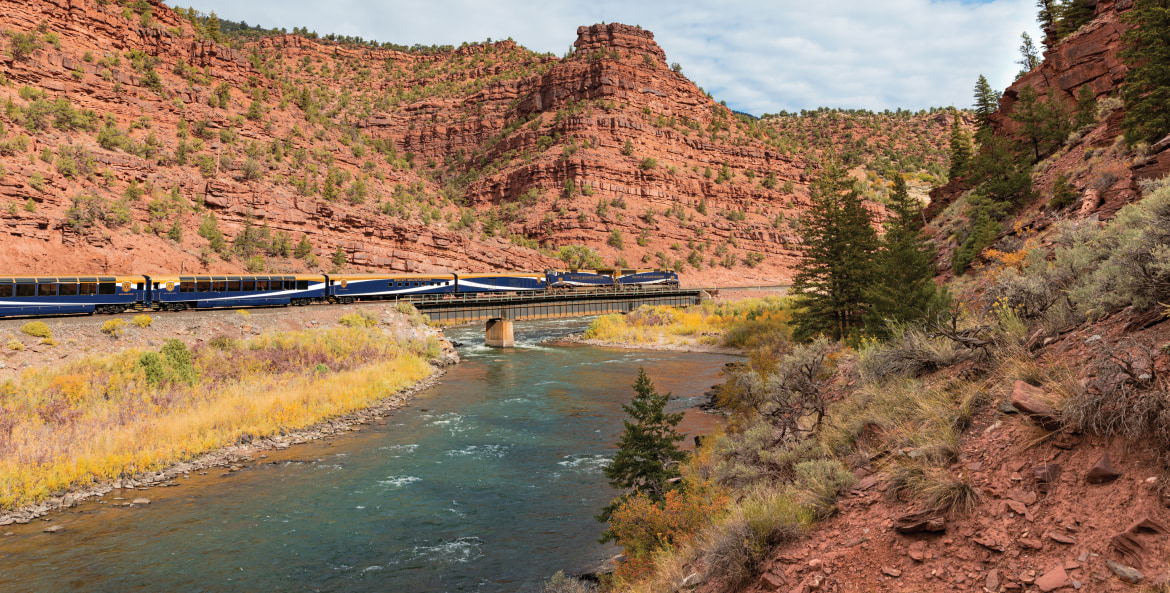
x=133, y=141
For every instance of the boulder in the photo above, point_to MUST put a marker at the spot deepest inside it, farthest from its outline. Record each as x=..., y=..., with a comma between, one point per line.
x=1030, y=401
x=1052, y=580
x=924, y=521
x=1126, y=573
x=1102, y=471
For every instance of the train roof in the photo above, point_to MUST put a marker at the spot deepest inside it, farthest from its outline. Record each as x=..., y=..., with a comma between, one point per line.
x=504, y=275
x=68, y=279
x=227, y=277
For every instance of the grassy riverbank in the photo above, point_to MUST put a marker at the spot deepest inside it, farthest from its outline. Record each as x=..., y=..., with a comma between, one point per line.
x=103, y=417
x=745, y=324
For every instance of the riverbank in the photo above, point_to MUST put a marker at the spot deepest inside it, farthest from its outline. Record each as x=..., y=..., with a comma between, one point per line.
x=229, y=457
x=138, y=417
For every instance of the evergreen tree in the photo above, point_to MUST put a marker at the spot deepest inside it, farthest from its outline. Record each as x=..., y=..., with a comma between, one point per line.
x=1047, y=16
x=211, y=27
x=903, y=289
x=1029, y=56
x=1086, y=106
x=1072, y=15
x=339, y=258
x=839, y=242
x=1146, y=89
x=986, y=103
x=648, y=454
x=960, y=149
x=304, y=248
x=1045, y=124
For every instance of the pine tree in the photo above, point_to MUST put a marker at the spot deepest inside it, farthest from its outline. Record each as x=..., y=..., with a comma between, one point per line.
x=1029, y=56
x=1047, y=15
x=1086, y=106
x=304, y=248
x=211, y=27
x=986, y=103
x=960, y=149
x=1044, y=124
x=1072, y=15
x=839, y=242
x=339, y=258
x=1146, y=89
x=648, y=454
x=903, y=289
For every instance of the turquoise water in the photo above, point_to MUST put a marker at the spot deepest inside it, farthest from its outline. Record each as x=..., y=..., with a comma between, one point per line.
x=486, y=482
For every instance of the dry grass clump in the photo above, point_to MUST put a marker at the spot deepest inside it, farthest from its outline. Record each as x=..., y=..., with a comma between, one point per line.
x=911, y=352
x=103, y=417
x=361, y=318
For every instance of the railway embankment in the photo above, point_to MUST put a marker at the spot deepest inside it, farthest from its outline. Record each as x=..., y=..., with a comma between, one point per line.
x=120, y=402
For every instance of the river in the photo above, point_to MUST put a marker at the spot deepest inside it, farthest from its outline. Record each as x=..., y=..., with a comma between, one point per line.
x=487, y=482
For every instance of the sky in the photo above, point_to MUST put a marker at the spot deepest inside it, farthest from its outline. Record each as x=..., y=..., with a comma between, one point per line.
x=759, y=56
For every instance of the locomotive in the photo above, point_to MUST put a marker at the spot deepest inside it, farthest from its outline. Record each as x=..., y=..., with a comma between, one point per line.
x=66, y=295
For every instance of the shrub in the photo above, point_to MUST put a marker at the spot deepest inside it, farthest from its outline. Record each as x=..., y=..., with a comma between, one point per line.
x=36, y=329
x=21, y=44
x=360, y=318
x=819, y=482
x=644, y=527
x=792, y=397
x=114, y=328
x=734, y=548
x=754, y=456
x=142, y=321
x=559, y=583
x=15, y=345
x=1133, y=255
x=223, y=342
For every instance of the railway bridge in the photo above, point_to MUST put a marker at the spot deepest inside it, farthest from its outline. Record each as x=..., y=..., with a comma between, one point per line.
x=500, y=310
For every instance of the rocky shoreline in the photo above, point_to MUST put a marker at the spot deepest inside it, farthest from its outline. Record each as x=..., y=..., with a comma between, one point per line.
x=233, y=456
x=699, y=348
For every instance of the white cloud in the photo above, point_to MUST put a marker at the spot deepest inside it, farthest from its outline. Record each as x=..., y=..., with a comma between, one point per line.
x=759, y=56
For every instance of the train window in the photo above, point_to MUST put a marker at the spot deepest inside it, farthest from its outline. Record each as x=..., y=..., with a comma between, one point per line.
x=302, y=285
x=87, y=289
x=248, y=286
x=46, y=290
x=203, y=286
x=67, y=290
x=107, y=288
x=5, y=290
x=26, y=290
x=218, y=285
x=187, y=286
x=233, y=286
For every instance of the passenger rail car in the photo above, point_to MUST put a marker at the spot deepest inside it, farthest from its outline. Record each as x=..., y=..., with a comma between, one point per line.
x=347, y=288
x=176, y=293
x=617, y=279
x=501, y=282
x=63, y=295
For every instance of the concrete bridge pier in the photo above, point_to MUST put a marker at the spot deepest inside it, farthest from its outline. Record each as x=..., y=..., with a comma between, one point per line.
x=499, y=334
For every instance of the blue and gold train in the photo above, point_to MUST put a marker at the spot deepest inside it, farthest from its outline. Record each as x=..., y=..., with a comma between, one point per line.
x=66, y=295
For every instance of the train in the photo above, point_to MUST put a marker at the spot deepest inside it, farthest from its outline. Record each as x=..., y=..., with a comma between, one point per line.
x=22, y=296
